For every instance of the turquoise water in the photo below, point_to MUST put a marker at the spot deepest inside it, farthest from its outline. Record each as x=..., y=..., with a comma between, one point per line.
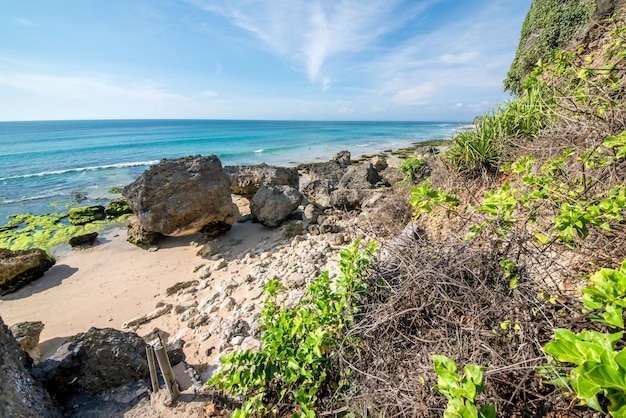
x=44, y=163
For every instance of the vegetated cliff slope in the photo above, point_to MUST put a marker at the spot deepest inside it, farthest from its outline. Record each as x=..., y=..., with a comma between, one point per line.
x=552, y=24
x=515, y=217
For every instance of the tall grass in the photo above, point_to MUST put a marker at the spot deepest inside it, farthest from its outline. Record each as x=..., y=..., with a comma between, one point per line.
x=479, y=152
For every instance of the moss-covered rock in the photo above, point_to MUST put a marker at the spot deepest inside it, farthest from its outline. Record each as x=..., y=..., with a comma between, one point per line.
x=83, y=239
x=18, y=268
x=117, y=207
x=86, y=214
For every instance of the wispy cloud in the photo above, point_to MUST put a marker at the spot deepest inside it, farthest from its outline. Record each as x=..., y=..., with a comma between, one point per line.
x=23, y=22
x=312, y=33
x=89, y=86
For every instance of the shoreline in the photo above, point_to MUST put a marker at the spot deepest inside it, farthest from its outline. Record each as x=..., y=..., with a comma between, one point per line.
x=115, y=282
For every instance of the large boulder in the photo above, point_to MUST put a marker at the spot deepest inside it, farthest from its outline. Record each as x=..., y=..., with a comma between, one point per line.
x=94, y=361
x=245, y=180
x=20, y=394
x=18, y=268
x=272, y=205
x=181, y=196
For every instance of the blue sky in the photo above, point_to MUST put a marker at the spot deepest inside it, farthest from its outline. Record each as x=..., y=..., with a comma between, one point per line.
x=438, y=60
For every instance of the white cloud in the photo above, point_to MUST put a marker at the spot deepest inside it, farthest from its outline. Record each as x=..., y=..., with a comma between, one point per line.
x=460, y=58
x=209, y=93
x=312, y=33
x=417, y=95
x=90, y=86
x=24, y=22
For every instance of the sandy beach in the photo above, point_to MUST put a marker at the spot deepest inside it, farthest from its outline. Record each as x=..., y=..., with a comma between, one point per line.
x=101, y=286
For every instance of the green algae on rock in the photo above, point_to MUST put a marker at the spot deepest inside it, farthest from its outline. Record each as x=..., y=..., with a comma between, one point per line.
x=22, y=267
x=26, y=231
x=86, y=214
x=117, y=207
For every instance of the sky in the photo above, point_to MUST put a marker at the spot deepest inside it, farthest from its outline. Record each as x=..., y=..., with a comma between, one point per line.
x=411, y=60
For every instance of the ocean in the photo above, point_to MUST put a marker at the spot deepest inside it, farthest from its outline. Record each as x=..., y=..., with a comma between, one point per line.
x=49, y=165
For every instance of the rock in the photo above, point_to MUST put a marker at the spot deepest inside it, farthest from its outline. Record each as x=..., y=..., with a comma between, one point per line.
x=312, y=211
x=180, y=286
x=18, y=268
x=319, y=191
x=292, y=229
x=20, y=394
x=27, y=334
x=83, y=240
x=59, y=373
x=392, y=175
x=135, y=322
x=246, y=180
x=86, y=214
x=209, y=249
x=182, y=196
x=138, y=235
x=94, y=361
x=228, y=304
x=379, y=162
x=331, y=170
x=362, y=176
x=117, y=207
x=347, y=199
x=271, y=205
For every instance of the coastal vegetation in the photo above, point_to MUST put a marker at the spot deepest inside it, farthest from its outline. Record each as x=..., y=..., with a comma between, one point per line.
x=513, y=266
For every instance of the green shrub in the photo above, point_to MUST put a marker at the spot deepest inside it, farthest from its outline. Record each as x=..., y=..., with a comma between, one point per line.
x=411, y=166
x=294, y=364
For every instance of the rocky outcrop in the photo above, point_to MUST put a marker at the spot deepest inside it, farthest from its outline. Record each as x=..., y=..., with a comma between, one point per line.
x=18, y=268
x=86, y=214
x=94, y=361
x=245, y=180
x=27, y=334
x=181, y=196
x=272, y=205
x=340, y=185
x=332, y=170
x=20, y=394
x=362, y=176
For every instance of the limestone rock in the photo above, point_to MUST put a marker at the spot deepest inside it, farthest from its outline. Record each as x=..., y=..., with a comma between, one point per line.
x=312, y=212
x=246, y=180
x=271, y=205
x=379, y=162
x=347, y=198
x=319, y=191
x=18, y=268
x=20, y=394
x=138, y=235
x=331, y=170
x=181, y=196
x=362, y=176
x=27, y=334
